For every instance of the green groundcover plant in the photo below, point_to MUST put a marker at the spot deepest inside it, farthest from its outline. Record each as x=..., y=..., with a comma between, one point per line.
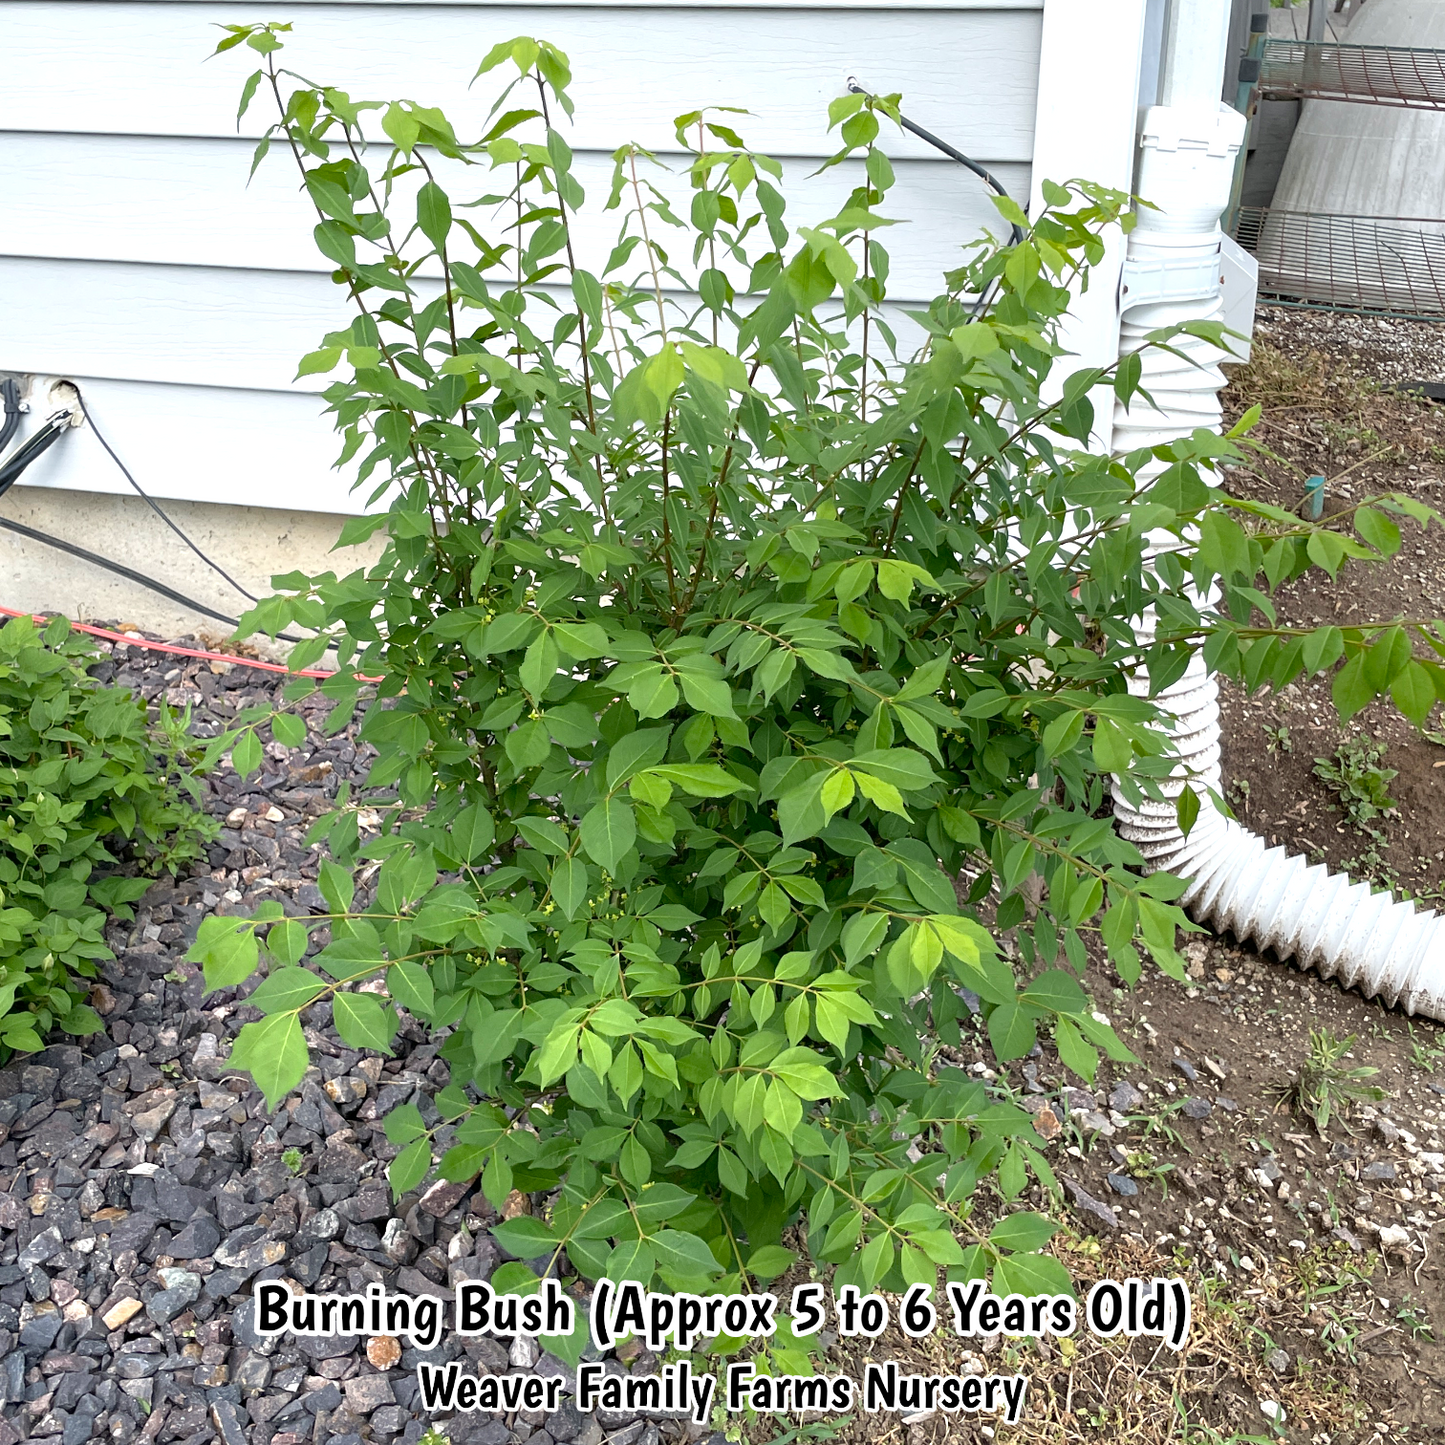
x=752, y=658
x=80, y=776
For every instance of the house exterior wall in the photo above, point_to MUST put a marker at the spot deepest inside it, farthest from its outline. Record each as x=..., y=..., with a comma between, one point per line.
x=136, y=259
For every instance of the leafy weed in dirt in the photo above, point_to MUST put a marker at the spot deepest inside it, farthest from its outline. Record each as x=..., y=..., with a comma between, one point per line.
x=1324, y=1088
x=1355, y=775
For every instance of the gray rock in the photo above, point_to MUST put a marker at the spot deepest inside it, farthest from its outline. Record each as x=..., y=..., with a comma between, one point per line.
x=325, y=1347
x=166, y=1304
x=1380, y=1171
x=325, y=1224
x=340, y=1164
x=565, y=1423
x=227, y=1417
x=443, y=1197
x=222, y=1282
x=243, y=1327
x=400, y=1247
x=366, y=1393
x=1122, y=1184
x=328, y=1398
x=1093, y=1209
x=1186, y=1068
x=39, y=1332
x=44, y=1246
x=368, y=1206
x=249, y=1250
x=1125, y=1097
x=198, y=1240
x=1278, y=1361
x=177, y=1203
x=149, y=1124
x=132, y=1365
x=1196, y=1108
x=253, y=1373
x=308, y=1267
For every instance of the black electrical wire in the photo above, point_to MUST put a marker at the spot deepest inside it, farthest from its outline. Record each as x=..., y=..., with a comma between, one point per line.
x=154, y=506
x=11, y=393
x=1016, y=231
x=45, y=438
x=121, y=570
x=31, y=448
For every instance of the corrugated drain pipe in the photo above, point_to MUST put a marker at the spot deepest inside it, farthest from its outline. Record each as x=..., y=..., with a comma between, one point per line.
x=1262, y=895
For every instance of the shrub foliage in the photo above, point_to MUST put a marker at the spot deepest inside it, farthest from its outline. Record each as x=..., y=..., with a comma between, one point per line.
x=745, y=644
x=79, y=777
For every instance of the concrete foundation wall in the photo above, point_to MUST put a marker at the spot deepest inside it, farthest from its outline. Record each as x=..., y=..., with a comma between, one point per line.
x=251, y=543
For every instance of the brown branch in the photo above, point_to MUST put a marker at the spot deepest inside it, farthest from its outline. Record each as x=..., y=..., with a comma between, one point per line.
x=581, y=323
x=712, y=516
x=666, y=523
x=903, y=492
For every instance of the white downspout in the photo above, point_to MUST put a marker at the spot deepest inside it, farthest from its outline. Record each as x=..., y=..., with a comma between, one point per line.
x=1262, y=895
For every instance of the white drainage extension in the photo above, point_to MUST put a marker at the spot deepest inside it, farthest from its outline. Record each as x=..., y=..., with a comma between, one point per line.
x=1262, y=895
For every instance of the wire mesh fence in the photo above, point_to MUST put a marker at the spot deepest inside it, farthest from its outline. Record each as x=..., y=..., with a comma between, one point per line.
x=1389, y=265
x=1372, y=74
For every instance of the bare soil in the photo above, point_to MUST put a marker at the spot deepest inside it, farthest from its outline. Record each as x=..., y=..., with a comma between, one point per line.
x=1327, y=412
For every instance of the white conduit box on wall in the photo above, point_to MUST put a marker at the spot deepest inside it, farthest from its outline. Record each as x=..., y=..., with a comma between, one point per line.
x=1262, y=895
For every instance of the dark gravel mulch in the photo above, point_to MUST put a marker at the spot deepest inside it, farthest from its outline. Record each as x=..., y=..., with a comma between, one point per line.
x=145, y=1188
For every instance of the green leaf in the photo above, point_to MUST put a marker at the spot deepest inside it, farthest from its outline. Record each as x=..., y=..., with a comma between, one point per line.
x=1074, y=1052
x=1030, y=1274
x=409, y=1167
x=404, y=1123
x=770, y=1261
x=1414, y=692
x=906, y=770
x=286, y=988
x=1113, y=752
x=227, y=950
x=288, y=729
x=569, y=885
x=273, y=1052
x=411, y=986
x=925, y=879
x=433, y=213
x=608, y=831
x=709, y=695
x=1186, y=809
x=1057, y=991
x=1022, y=1232
x=1011, y=1031
x=246, y=755
x=526, y=1237
x=363, y=1021
x=1378, y=530
x=683, y=1254
x=701, y=780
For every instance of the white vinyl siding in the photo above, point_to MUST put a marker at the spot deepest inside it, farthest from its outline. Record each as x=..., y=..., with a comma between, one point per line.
x=135, y=257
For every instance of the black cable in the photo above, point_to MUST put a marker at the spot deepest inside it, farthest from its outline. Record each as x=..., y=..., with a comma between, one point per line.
x=121, y=570
x=155, y=507
x=31, y=448
x=1016, y=233
x=11, y=393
